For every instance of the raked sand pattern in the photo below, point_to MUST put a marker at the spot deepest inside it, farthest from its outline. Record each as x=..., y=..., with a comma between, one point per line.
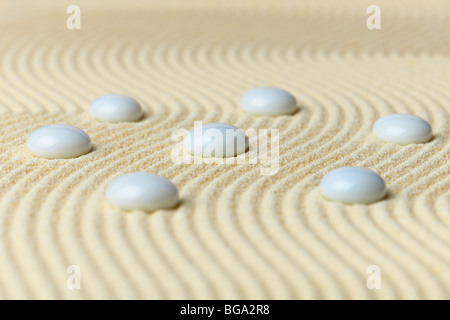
x=237, y=233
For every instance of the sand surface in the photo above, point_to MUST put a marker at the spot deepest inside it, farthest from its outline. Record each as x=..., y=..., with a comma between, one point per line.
x=237, y=233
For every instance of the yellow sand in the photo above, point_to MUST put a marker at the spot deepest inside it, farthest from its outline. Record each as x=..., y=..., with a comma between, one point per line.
x=237, y=233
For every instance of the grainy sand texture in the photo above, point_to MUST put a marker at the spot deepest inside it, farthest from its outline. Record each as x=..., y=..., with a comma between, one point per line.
x=237, y=233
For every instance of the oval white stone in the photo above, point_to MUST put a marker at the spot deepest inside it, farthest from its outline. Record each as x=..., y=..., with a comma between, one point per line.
x=142, y=191
x=219, y=140
x=59, y=141
x=115, y=108
x=353, y=185
x=402, y=129
x=268, y=101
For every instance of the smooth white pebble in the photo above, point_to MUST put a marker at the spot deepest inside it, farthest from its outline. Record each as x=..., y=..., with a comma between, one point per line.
x=58, y=141
x=353, y=185
x=268, y=101
x=115, y=108
x=219, y=140
x=402, y=129
x=142, y=191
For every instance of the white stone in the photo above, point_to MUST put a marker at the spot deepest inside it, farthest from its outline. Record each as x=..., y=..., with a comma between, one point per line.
x=115, y=108
x=59, y=141
x=219, y=140
x=402, y=129
x=353, y=185
x=268, y=101
x=142, y=191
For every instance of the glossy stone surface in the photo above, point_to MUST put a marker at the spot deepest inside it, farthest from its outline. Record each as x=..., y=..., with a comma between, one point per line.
x=115, y=108
x=218, y=140
x=402, y=129
x=142, y=191
x=58, y=141
x=353, y=185
x=268, y=101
